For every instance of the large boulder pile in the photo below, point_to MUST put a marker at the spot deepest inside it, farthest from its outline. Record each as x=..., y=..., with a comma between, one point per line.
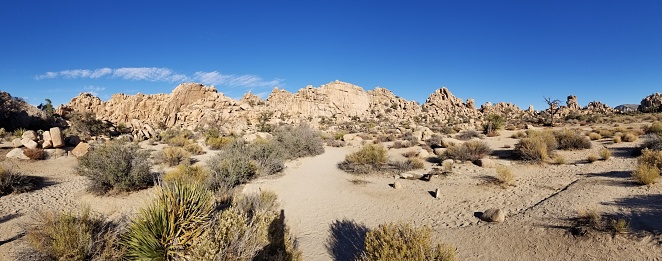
x=651, y=103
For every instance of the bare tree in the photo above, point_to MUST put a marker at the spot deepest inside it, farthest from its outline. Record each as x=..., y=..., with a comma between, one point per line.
x=554, y=108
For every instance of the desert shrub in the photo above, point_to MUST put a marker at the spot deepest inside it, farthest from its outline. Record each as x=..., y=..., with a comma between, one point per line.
x=410, y=138
x=187, y=172
x=620, y=225
x=435, y=141
x=617, y=139
x=211, y=133
x=178, y=141
x=18, y=133
x=86, y=124
x=73, y=236
x=231, y=166
x=468, y=134
x=371, y=157
x=35, y=154
x=629, y=137
x=645, y=174
x=398, y=144
x=407, y=165
x=518, y=135
x=268, y=156
x=505, y=176
x=403, y=242
x=592, y=158
x=605, y=154
x=337, y=143
x=169, y=134
x=655, y=127
x=217, y=143
x=653, y=142
x=571, y=140
x=299, y=141
x=194, y=148
x=590, y=218
x=594, y=136
x=14, y=182
x=651, y=158
x=537, y=146
x=167, y=228
x=470, y=150
x=410, y=153
x=116, y=166
x=606, y=133
x=173, y=156
x=494, y=122
x=559, y=159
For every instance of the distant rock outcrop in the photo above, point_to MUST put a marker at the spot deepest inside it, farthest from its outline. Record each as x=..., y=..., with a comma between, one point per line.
x=627, y=108
x=16, y=113
x=651, y=103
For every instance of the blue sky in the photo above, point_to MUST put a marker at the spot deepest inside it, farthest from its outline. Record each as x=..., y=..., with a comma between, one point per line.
x=513, y=51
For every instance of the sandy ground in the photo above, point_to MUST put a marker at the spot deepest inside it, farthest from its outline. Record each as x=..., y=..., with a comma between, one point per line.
x=330, y=214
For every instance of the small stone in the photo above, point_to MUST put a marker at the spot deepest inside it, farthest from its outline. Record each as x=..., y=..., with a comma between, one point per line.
x=81, y=149
x=397, y=185
x=485, y=163
x=437, y=194
x=493, y=215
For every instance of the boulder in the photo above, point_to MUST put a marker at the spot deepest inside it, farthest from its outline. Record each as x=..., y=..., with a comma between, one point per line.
x=411, y=175
x=423, y=153
x=348, y=137
x=16, y=153
x=447, y=142
x=397, y=185
x=46, y=136
x=72, y=140
x=17, y=143
x=439, y=151
x=493, y=215
x=30, y=134
x=250, y=137
x=81, y=149
x=264, y=135
x=56, y=137
x=28, y=143
x=47, y=144
x=55, y=153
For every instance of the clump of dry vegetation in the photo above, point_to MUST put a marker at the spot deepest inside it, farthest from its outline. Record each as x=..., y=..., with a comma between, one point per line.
x=468, y=134
x=173, y=156
x=194, y=148
x=537, y=146
x=571, y=140
x=648, y=167
x=494, y=123
x=35, y=154
x=605, y=154
x=467, y=151
x=594, y=136
x=403, y=242
x=592, y=158
x=116, y=166
x=299, y=141
x=505, y=176
x=187, y=172
x=370, y=158
x=14, y=182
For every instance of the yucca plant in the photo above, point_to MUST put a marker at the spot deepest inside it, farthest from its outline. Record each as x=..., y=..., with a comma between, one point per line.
x=165, y=230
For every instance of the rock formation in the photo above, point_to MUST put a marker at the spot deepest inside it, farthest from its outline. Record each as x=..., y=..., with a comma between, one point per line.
x=16, y=113
x=651, y=103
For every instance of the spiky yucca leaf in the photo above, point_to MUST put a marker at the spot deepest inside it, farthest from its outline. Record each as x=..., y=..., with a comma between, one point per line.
x=164, y=230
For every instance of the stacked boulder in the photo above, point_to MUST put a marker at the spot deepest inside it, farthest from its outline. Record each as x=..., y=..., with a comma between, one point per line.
x=51, y=140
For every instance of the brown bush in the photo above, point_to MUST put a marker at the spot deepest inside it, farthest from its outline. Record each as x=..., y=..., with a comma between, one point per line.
x=35, y=154
x=403, y=242
x=470, y=150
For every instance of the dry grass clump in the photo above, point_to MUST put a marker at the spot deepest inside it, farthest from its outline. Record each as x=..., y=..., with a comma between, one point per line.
x=14, y=182
x=217, y=143
x=617, y=139
x=590, y=217
x=398, y=144
x=116, y=166
x=630, y=137
x=655, y=127
x=176, y=137
x=592, y=158
x=370, y=158
x=594, y=136
x=620, y=225
x=468, y=134
x=73, y=236
x=559, y=159
x=410, y=153
x=187, y=172
x=173, y=156
x=605, y=154
x=403, y=242
x=35, y=154
x=470, y=150
x=537, y=146
x=571, y=140
x=505, y=176
x=407, y=165
x=194, y=148
x=605, y=133
x=435, y=141
x=648, y=167
x=518, y=135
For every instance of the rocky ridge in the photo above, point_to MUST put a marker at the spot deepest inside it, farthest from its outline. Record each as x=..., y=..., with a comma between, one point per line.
x=193, y=105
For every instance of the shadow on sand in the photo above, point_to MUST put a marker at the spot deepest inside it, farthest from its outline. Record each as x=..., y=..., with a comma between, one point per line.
x=347, y=239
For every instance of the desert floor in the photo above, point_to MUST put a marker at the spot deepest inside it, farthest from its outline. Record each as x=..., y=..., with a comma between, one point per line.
x=329, y=211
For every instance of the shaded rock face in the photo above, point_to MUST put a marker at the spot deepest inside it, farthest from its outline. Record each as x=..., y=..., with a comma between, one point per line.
x=651, y=103
x=16, y=113
x=572, y=103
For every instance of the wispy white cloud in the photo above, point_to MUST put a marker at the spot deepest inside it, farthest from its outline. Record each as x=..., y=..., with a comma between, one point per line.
x=94, y=90
x=164, y=75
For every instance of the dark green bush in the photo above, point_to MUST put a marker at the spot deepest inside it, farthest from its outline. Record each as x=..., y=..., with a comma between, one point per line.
x=231, y=166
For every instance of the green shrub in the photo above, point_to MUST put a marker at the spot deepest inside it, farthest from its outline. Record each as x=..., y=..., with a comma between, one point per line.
x=494, y=123
x=173, y=156
x=403, y=242
x=73, y=236
x=268, y=155
x=169, y=226
x=470, y=150
x=231, y=166
x=300, y=141
x=18, y=133
x=116, y=166
x=371, y=157
x=571, y=140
